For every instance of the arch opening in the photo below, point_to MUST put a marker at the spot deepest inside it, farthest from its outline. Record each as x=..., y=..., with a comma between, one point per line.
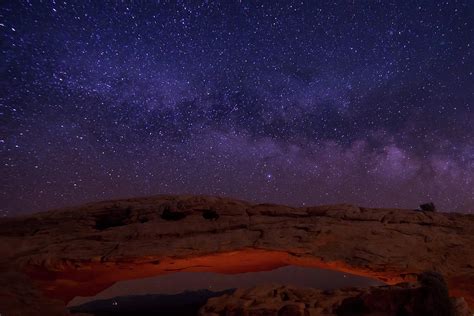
x=86, y=282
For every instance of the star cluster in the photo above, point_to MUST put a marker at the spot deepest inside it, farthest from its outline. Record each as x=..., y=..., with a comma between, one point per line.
x=300, y=103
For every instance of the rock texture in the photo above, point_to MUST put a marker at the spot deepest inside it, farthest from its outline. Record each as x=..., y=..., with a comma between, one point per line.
x=409, y=299
x=83, y=250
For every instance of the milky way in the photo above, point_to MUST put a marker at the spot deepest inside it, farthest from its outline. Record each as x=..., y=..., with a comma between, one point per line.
x=299, y=103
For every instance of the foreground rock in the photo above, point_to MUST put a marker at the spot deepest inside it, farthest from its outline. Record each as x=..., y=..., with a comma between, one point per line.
x=409, y=299
x=83, y=250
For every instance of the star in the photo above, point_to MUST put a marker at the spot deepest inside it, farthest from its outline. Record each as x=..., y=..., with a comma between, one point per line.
x=362, y=105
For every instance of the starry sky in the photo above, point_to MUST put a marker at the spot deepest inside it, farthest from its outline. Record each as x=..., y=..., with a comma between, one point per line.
x=308, y=102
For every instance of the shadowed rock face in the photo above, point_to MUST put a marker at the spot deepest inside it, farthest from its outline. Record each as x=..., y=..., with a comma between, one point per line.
x=407, y=299
x=83, y=250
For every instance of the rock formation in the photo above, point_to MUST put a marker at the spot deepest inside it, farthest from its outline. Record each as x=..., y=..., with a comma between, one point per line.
x=409, y=299
x=80, y=251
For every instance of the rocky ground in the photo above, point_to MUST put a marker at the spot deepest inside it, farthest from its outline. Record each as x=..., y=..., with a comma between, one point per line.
x=429, y=296
x=60, y=254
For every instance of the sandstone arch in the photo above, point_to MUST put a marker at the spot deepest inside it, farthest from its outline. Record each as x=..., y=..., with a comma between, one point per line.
x=66, y=253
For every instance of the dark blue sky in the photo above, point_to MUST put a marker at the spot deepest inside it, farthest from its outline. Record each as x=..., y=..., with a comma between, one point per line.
x=291, y=102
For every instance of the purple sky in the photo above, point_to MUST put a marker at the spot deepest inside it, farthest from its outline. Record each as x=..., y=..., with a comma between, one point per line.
x=295, y=102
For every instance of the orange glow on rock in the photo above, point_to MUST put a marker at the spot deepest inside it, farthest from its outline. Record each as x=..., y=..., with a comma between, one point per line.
x=90, y=278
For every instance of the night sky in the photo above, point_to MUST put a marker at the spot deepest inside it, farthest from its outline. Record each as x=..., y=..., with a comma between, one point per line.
x=313, y=102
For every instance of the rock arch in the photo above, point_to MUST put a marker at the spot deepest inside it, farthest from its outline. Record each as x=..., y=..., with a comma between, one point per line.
x=65, y=253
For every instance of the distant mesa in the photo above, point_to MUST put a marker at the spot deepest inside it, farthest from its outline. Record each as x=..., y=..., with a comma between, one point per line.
x=186, y=303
